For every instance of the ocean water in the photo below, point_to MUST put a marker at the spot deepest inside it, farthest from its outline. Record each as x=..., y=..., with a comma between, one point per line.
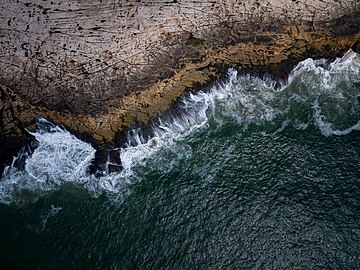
x=247, y=175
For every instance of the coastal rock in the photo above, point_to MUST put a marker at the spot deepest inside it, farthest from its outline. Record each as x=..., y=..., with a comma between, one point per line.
x=97, y=67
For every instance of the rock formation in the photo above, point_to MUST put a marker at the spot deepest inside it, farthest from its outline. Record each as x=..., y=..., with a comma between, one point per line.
x=96, y=67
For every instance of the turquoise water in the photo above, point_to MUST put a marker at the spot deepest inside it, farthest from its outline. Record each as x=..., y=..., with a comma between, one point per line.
x=245, y=176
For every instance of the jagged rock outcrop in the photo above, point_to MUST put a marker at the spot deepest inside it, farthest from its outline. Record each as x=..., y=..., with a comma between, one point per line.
x=98, y=66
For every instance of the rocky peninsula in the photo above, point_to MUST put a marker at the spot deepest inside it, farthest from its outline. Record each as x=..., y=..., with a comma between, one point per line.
x=98, y=67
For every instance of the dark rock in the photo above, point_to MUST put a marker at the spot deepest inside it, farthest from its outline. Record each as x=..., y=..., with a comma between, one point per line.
x=97, y=75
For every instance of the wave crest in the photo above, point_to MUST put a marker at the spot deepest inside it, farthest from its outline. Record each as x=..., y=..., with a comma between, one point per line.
x=317, y=94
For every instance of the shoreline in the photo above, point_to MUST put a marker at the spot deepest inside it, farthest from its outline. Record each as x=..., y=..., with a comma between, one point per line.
x=99, y=107
x=104, y=151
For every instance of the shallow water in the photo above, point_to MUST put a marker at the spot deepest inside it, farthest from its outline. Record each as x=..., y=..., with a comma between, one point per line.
x=246, y=176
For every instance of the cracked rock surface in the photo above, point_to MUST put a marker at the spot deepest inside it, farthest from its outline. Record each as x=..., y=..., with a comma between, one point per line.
x=98, y=66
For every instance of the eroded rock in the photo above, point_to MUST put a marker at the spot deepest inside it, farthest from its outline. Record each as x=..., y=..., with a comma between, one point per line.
x=96, y=67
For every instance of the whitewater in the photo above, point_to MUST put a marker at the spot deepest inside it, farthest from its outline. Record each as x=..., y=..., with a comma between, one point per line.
x=318, y=93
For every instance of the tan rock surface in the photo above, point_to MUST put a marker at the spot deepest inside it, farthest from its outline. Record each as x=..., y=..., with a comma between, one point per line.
x=98, y=66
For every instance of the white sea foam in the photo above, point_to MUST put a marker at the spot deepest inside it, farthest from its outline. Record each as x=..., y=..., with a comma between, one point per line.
x=332, y=90
x=60, y=157
x=319, y=94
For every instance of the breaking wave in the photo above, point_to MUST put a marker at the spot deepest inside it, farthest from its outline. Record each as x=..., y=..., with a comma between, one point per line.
x=318, y=94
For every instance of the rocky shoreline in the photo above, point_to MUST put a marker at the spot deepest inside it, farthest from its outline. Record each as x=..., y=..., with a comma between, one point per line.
x=99, y=73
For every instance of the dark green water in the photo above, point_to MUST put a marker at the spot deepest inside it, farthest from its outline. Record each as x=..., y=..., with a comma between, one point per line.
x=279, y=192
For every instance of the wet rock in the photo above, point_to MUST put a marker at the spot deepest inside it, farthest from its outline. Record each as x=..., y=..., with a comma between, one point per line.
x=356, y=46
x=13, y=136
x=97, y=73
